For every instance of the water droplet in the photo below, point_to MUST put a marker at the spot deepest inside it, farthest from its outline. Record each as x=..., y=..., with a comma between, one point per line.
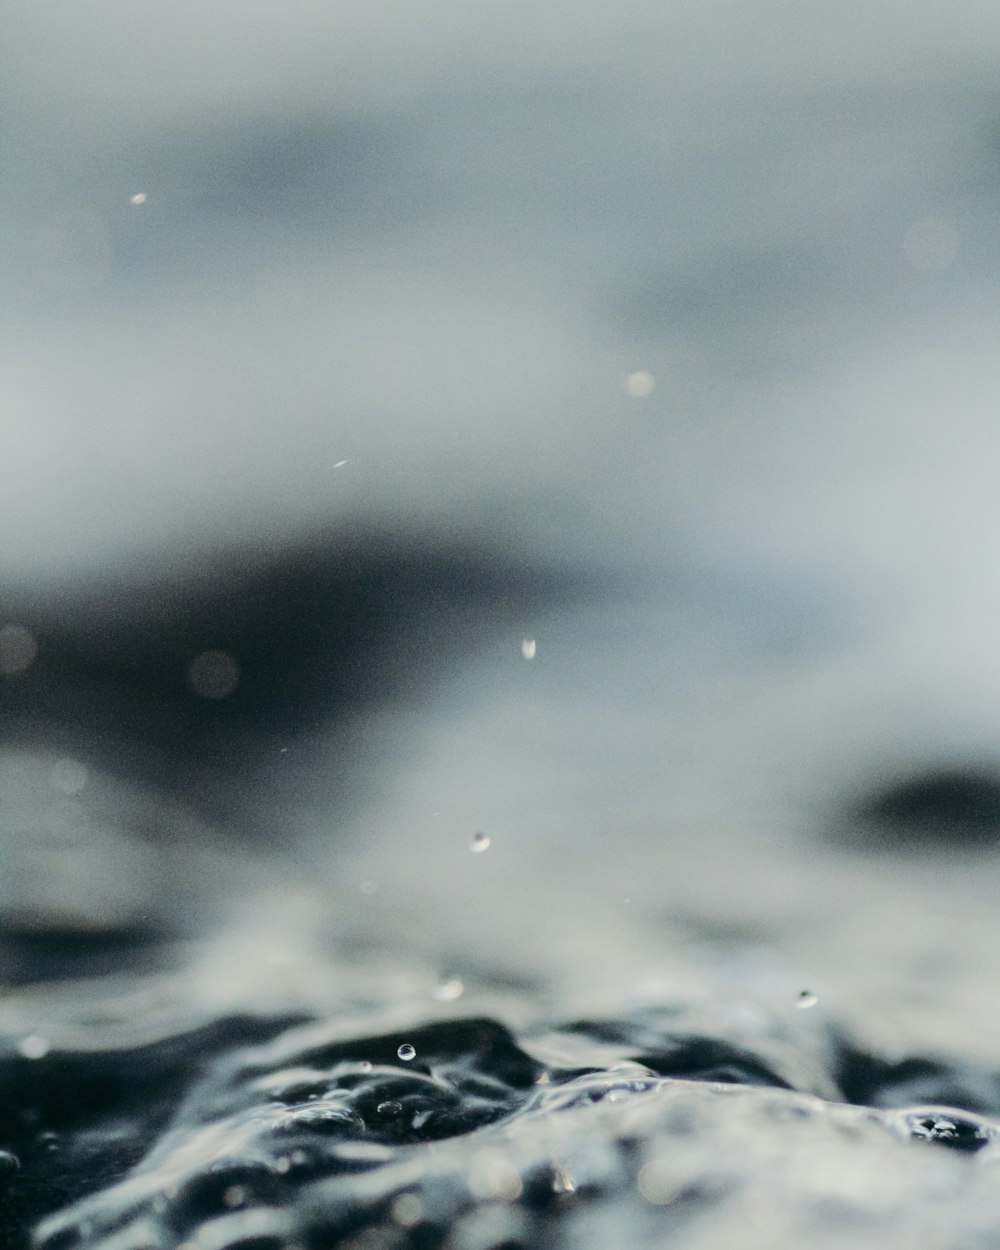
x=365, y=1065
x=493, y=1176
x=406, y=1052
x=34, y=1046
x=562, y=1180
x=639, y=385
x=339, y=464
x=390, y=1109
x=213, y=675
x=68, y=776
x=480, y=842
x=962, y=1131
x=448, y=991
x=406, y=1210
x=658, y=1182
x=529, y=648
x=140, y=197
x=236, y=1195
x=18, y=649
x=806, y=998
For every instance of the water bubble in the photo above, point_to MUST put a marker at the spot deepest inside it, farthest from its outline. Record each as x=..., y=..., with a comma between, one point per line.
x=213, y=675
x=448, y=991
x=639, y=385
x=18, y=649
x=480, y=842
x=406, y=1052
x=140, y=197
x=529, y=648
x=34, y=1046
x=390, y=1109
x=806, y=998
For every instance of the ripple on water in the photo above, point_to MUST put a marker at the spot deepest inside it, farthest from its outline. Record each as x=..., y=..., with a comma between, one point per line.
x=274, y=1134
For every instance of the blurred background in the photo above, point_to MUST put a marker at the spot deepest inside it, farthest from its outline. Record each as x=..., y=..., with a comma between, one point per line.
x=575, y=424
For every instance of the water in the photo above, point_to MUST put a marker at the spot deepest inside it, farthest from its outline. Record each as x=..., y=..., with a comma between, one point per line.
x=566, y=421
x=681, y=1119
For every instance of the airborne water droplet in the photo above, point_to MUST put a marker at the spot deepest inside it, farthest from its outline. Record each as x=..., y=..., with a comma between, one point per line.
x=639, y=385
x=406, y=1052
x=529, y=648
x=806, y=999
x=448, y=991
x=480, y=842
x=406, y=1210
x=34, y=1046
